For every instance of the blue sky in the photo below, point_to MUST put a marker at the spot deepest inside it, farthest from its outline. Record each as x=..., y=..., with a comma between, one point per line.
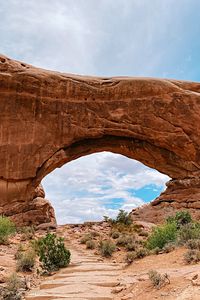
x=157, y=38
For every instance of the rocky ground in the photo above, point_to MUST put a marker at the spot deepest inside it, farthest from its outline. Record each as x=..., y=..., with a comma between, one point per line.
x=90, y=276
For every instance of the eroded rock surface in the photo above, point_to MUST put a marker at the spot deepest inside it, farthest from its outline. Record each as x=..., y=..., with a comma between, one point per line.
x=49, y=118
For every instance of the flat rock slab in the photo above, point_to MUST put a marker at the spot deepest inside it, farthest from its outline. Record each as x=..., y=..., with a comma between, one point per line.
x=87, y=280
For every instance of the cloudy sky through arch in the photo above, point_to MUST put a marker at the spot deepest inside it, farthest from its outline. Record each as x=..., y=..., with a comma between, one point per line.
x=100, y=184
x=157, y=38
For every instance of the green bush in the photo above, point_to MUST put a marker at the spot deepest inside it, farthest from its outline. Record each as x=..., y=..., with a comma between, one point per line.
x=181, y=218
x=52, y=253
x=123, y=217
x=7, y=228
x=107, y=248
x=90, y=244
x=26, y=261
x=162, y=235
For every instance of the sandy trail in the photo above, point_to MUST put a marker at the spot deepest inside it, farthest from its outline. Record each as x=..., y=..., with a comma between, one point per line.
x=87, y=277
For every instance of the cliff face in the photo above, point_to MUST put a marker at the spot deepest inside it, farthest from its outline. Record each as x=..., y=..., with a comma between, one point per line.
x=48, y=119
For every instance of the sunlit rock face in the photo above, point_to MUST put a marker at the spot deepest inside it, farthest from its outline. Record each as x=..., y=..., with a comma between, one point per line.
x=49, y=118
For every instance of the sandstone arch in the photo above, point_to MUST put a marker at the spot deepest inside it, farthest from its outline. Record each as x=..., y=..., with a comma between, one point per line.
x=49, y=118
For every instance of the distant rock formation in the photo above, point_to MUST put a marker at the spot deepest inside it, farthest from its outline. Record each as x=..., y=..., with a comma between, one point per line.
x=48, y=119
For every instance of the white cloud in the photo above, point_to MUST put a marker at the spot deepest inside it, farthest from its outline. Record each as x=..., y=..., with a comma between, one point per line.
x=132, y=37
x=89, y=187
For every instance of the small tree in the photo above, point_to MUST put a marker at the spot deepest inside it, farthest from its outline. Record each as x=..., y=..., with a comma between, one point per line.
x=123, y=217
x=180, y=219
x=52, y=253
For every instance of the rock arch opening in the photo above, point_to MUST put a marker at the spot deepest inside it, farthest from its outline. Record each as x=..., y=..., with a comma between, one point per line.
x=100, y=184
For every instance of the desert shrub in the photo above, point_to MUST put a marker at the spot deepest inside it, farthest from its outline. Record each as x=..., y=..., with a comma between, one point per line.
x=13, y=289
x=124, y=239
x=19, y=251
x=193, y=244
x=106, y=248
x=189, y=232
x=132, y=246
x=192, y=256
x=107, y=219
x=115, y=234
x=125, y=229
x=26, y=260
x=52, y=253
x=161, y=235
x=141, y=252
x=180, y=219
x=27, y=232
x=130, y=257
x=143, y=233
x=94, y=234
x=169, y=247
x=141, y=242
x=7, y=228
x=85, y=238
x=90, y=244
x=157, y=279
x=123, y=217
x=156, y=251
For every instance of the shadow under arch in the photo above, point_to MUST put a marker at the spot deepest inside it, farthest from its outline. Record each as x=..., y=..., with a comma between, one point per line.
x=149, y=154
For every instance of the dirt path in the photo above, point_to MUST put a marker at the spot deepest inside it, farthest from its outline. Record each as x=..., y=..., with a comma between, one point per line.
x=90, y=278
x=87, y=277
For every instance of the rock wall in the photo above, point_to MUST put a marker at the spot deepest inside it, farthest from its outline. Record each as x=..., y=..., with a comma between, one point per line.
x=181, y=194
x=48, y=119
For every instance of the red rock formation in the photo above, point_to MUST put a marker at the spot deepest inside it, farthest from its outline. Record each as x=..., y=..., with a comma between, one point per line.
x=49, y=118
x=181, y=194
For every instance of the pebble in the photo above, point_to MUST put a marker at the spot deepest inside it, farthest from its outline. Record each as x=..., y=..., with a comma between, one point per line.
x=164, y=294
x=2, y=277
x=117, y=290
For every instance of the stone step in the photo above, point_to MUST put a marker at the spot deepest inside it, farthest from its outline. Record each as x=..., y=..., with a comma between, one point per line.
x=87, y=278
